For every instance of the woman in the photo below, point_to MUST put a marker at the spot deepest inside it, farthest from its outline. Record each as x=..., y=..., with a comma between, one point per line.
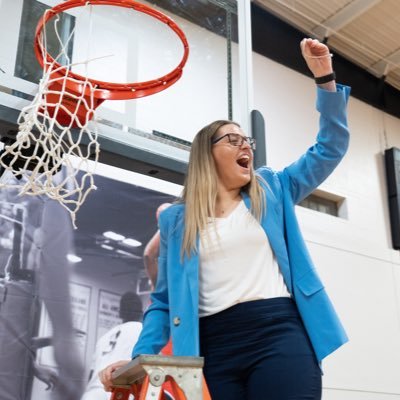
x=235, y=283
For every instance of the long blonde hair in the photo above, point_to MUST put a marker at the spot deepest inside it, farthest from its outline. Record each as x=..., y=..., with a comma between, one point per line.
x=200, y=187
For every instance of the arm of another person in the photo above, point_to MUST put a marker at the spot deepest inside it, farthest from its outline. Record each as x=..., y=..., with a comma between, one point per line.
x=150, y=257
x=152, y=250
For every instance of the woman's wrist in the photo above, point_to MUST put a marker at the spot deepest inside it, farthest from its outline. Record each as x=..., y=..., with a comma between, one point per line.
x=329, y=86
x=326, y=81
x=319, y=80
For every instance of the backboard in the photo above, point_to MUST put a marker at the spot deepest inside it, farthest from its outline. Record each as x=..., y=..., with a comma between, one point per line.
x=152, y=133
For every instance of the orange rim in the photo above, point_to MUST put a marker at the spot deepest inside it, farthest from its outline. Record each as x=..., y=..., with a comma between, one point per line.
x=108, y=90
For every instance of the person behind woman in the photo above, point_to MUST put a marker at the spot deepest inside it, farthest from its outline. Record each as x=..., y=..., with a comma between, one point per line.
x=152, y=251
x=236, y=284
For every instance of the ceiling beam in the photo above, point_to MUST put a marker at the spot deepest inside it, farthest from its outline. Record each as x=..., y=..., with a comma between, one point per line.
x=343, y=17
x=384, y=66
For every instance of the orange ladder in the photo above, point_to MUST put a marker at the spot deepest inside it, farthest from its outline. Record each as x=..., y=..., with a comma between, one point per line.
x=144, y=376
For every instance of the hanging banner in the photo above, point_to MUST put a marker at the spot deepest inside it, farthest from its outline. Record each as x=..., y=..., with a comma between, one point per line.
x=72, y=300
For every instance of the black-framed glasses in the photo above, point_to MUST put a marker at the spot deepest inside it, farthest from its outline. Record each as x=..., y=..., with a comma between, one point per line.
x=235, y=139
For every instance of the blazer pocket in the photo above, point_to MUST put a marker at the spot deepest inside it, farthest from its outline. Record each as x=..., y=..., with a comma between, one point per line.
x=310, y=283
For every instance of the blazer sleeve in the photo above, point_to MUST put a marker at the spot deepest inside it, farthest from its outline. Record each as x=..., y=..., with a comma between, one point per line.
x=311, y=169
x=156, y=328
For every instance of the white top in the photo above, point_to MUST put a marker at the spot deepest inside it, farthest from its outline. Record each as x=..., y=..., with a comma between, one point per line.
x=237, y=263
x=113, y=346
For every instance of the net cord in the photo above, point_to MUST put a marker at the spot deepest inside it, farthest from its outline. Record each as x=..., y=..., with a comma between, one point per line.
x=42, y=160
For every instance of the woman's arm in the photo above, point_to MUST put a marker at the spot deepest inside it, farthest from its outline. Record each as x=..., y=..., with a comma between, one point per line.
x=308, y=172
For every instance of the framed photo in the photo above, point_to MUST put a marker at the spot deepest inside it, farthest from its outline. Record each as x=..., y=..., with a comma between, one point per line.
x=108, y=312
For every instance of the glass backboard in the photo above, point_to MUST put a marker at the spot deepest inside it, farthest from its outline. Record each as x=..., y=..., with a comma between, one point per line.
x=124, y=45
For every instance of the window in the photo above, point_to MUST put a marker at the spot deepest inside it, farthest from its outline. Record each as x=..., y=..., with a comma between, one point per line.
x=326, y=203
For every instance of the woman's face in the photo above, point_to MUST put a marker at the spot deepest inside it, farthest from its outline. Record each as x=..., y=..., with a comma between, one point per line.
x=233, y=157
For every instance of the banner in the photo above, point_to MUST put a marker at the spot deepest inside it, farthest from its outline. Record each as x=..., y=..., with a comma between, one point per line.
x=72, y=299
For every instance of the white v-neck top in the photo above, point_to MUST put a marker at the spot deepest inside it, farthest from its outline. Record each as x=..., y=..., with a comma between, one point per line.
x=237, y=263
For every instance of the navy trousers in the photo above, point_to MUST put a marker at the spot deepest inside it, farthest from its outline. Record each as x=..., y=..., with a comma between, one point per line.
x=259, y=350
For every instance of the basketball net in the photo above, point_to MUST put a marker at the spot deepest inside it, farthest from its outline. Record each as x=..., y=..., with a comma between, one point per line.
x=51, y=131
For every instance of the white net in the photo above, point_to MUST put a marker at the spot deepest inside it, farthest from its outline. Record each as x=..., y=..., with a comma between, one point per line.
x=53, y=134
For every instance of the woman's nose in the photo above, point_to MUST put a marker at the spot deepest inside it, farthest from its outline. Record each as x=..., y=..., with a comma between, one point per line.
x=245, y=143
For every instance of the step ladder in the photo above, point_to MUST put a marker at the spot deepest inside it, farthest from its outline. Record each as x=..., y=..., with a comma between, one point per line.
x=144, y=376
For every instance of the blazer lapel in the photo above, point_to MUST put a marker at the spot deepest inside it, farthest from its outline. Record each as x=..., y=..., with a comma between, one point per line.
x=191, y=268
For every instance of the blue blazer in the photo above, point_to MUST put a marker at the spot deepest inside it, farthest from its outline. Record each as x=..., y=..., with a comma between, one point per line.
x=174, y=308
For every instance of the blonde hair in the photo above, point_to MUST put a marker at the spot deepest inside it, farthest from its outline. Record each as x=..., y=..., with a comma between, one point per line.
x=200, y=187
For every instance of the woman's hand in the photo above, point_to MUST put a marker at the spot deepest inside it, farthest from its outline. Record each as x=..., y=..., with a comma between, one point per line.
x=317, y=57
x=319, y=60
x=106, y=373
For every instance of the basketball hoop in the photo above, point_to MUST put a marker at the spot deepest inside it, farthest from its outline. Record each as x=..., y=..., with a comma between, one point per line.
x=53, y=129
x=102, y=90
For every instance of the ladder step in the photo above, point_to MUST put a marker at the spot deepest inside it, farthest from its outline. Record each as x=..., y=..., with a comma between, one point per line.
x=185, y=372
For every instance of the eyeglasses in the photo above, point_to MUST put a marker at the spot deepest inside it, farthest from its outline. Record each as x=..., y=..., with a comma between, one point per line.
x=237, y=140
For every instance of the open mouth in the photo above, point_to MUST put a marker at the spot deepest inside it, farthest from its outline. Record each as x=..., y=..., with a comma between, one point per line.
x=243, y=161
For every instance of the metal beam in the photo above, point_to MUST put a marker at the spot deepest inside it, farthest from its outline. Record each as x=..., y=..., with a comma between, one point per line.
x=384, y=66
x=343, y=17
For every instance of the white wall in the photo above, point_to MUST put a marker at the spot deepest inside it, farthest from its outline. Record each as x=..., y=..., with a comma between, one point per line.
x=10, y=12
